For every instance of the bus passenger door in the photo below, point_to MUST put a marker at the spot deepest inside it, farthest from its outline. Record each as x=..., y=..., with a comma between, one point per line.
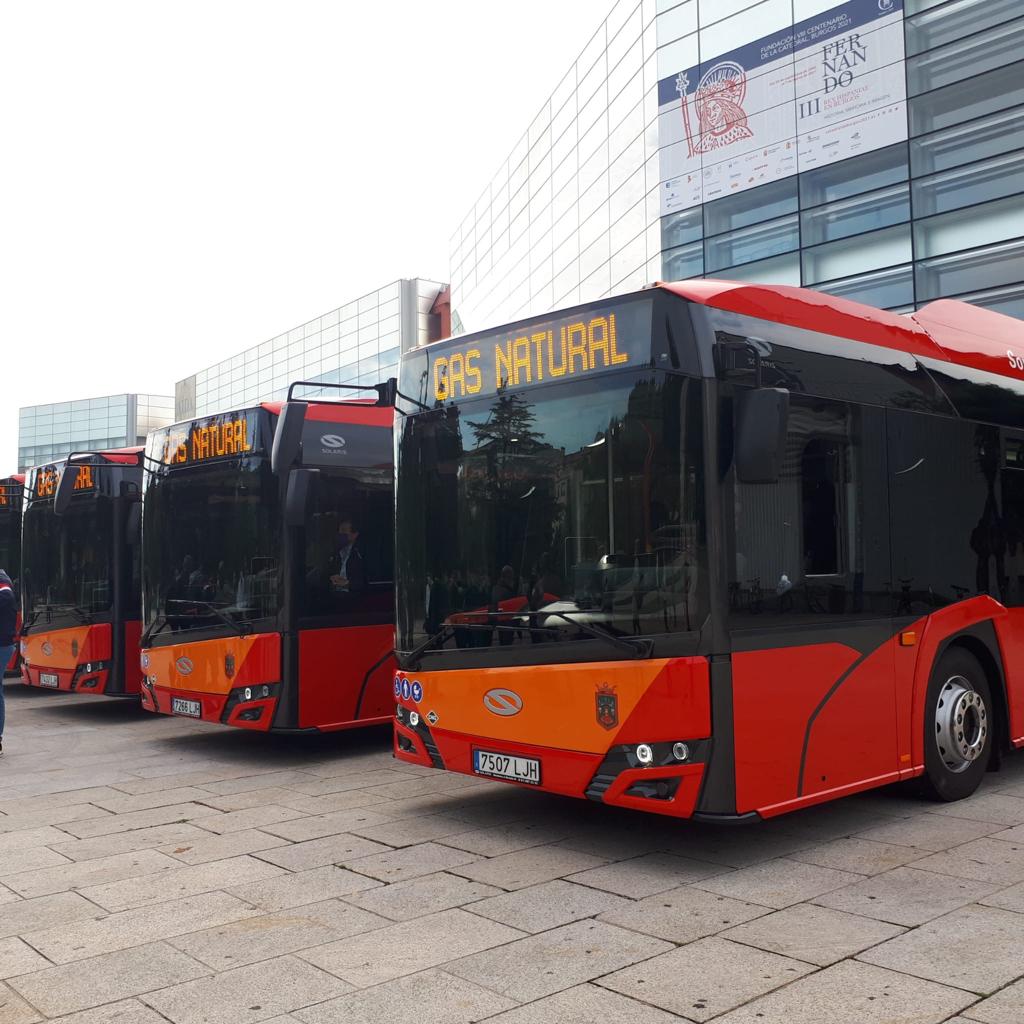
x=810, y=610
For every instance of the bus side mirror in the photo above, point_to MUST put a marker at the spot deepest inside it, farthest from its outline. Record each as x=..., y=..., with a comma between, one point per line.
x=133, y=523
x=288, y=436
x=762, y=416
x=297, y=496
x=65, y=489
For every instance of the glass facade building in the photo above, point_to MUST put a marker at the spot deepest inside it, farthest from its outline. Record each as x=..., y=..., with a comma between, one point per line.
x=49, y=432
x=873, y=149
x=358, y=343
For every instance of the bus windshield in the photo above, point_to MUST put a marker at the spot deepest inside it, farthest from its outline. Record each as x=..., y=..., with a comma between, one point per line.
x=67, y=560
x=10, y=541
x=210, y=546
x=559, y=512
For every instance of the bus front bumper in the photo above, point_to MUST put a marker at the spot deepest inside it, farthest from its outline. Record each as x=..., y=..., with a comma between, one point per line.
x=665, y=786
x=248, y=707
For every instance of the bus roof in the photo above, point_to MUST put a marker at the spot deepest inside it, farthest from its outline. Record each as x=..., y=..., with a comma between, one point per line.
x=945, y=330
x=365, y=411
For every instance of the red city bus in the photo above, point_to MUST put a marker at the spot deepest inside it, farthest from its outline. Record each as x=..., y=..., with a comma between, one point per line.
x=784, y=532
x=80, y=574
x=268, y=539
x=11, y=488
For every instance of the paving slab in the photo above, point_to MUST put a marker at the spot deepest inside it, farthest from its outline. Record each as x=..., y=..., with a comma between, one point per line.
x=429, y=894
x=32, y=858
x=682, y=915
x=647, y=875
x=302, y=887
x=854, y=993
x=433, y=997
x=986, y=860
x=999, y=808
x=249, y=818
x=409, y=947
x=1005, y=1007
x=208, y=847
x=247, y=994
x=121, y=803
x=81, y=874
x=935, y=951
x=14, y=1009
x=410, y=831
x=126, y=842
x=31, y=838
x=110, y=824
x=548, y=905
x=860, y=856
x=906, y=896
x=265, y=936
x=46, y=911
x=929, y=831
x=17, y=957
x=318, y=853
x=542, y=964
x=529, y=867
x=182, y=881
x=777, y=883
x=410, y=862
x=585, y=1004
x=706, y=978
x=106, y=978
x=125, y=1011
x=495, y=840
x=82, y=939
x=317, y=826
x=815, y=934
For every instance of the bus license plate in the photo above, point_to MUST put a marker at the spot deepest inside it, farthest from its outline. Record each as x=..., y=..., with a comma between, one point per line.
x=192, y=708
x=48, y=679
x=506, y=766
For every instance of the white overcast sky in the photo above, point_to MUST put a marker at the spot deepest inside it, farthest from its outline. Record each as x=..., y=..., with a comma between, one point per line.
x=182, y=180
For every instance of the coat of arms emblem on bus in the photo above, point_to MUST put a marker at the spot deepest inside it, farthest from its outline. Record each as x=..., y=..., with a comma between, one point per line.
x=607, y=706
x=718, y=99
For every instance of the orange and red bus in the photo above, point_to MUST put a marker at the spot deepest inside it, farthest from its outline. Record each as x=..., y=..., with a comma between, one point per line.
x=80, y=574
x=11, y=488
x=268, y=544
x=784, y=533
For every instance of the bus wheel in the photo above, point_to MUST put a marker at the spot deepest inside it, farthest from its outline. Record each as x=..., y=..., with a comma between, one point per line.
x=958, y=727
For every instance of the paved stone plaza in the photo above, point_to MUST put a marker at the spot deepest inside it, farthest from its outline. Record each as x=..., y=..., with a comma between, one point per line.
x=154, y=869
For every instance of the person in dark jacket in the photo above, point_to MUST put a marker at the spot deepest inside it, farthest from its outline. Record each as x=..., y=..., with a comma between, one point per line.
x=8, y=636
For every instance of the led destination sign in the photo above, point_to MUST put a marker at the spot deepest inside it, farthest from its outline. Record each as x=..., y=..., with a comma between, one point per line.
x=213, y=437
x=10, y=493
x=580, y=344
x=47, y=478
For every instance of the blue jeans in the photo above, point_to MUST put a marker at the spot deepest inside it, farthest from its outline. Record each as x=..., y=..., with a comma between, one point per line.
x=5, y=657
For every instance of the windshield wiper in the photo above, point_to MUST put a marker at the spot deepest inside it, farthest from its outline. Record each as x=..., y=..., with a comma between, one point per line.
x=239, y=628
x=447, y=630
x=637, y=647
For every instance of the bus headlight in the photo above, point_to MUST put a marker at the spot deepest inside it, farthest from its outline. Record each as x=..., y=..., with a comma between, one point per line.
x=247, y=693
x=680, y=751
x=644, y=754
x=414, y=718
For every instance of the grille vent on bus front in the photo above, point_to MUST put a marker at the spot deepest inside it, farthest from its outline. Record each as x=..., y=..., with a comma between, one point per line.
x=599, y=786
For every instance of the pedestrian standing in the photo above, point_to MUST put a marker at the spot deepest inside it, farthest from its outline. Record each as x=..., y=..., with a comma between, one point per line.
x=8, y=629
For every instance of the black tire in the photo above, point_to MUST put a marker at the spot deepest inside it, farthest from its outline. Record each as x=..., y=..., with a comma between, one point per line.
x=957, y=747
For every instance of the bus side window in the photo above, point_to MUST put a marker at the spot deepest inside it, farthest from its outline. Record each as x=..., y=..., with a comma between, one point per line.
x=815, y=544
